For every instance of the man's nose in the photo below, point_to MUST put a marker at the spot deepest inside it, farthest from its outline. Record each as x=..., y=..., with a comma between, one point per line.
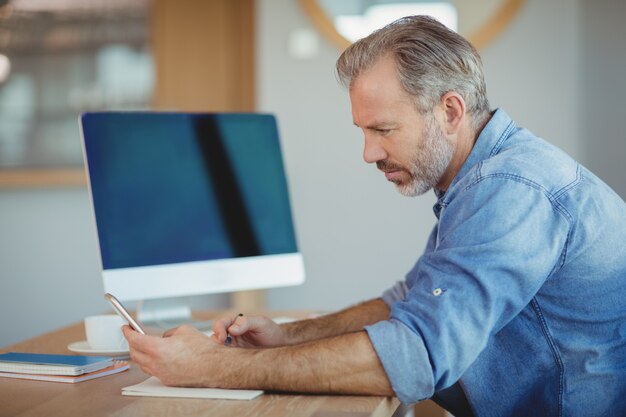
x=372, y=150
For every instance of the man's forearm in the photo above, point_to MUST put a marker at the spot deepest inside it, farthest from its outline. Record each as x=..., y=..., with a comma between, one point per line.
x=345, y=364
x=350, y=320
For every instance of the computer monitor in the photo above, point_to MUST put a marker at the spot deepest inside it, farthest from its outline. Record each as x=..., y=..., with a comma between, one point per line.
x=188, y=204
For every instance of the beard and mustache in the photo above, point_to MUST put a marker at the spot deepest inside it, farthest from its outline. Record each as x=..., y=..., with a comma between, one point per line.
x=427, y=164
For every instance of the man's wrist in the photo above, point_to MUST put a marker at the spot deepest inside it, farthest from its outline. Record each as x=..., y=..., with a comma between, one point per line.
x=234, y=370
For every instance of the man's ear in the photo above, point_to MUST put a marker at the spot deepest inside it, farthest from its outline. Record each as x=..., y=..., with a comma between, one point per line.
x=453, y=107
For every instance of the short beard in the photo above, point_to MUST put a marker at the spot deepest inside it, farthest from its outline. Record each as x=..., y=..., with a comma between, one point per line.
x=429, y=162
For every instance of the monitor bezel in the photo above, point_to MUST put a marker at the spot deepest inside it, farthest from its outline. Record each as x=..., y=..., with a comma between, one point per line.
x=154, y=282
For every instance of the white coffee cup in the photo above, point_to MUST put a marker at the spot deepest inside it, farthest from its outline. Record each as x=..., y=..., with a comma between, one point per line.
x=104, y=332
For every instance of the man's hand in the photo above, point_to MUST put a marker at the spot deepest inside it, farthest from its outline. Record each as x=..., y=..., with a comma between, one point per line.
x=177, y=358
x=253, y=331
x=330, y=354
x=344, y=364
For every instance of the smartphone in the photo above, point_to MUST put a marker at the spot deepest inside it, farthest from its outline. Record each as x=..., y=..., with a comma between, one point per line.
x=119, y=308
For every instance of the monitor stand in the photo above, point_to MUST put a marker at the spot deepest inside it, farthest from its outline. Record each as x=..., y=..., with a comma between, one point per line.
x=166, y=313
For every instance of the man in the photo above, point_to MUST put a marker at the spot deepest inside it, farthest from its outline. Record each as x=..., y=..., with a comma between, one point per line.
x=517, y=306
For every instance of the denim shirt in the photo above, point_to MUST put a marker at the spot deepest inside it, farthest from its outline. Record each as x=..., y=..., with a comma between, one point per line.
x=519, y=300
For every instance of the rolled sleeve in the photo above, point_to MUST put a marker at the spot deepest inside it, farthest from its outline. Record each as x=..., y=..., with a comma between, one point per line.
x=396, y=346
x=487, y=266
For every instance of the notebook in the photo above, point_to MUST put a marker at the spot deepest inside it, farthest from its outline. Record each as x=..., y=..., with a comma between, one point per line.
x=46, y=364
x=152, y=387
x=118, y=366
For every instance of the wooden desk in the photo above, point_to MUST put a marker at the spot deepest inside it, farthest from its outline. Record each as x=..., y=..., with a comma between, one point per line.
x=102, y=397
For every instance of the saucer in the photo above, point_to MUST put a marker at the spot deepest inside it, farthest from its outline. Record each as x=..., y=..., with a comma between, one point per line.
x=84, y=348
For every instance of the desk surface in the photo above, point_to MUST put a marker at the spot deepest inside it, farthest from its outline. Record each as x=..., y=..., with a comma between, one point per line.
x=102, y=396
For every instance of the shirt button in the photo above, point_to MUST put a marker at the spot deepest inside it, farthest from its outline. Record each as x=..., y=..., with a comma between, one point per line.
x=437, y=292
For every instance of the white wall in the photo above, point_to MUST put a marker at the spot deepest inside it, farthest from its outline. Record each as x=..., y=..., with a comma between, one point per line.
x=48, y=261
x=357, y=234
x=603, y=90
x=532, y=71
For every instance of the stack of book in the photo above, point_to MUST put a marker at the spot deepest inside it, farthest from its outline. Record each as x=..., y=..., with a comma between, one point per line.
x=57, y=368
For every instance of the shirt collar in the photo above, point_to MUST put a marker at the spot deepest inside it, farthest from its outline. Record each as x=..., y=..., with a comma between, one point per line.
x=489, y=141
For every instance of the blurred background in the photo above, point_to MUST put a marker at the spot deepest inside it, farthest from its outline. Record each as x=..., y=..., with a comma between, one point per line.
x=556, y=67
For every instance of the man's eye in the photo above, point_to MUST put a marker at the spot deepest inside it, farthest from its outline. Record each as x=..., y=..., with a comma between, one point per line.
x=383, y=132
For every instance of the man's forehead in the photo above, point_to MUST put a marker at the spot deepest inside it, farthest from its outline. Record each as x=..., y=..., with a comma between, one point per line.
x=374, y=97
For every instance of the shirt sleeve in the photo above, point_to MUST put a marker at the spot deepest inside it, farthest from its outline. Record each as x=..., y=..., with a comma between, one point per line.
x=498, y=240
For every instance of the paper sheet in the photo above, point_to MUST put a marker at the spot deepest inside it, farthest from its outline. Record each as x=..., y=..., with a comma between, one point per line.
x=152, y=387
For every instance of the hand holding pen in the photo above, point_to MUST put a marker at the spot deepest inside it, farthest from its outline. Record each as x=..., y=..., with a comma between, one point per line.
x=248, y=332
x=229, y=338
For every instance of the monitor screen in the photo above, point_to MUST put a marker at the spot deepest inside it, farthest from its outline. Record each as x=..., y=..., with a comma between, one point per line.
x=189, y=203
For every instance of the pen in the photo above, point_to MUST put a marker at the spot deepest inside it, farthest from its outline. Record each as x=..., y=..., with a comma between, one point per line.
x=229, y=338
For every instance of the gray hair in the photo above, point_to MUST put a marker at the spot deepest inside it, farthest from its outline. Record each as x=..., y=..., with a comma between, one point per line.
x=431, y=59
